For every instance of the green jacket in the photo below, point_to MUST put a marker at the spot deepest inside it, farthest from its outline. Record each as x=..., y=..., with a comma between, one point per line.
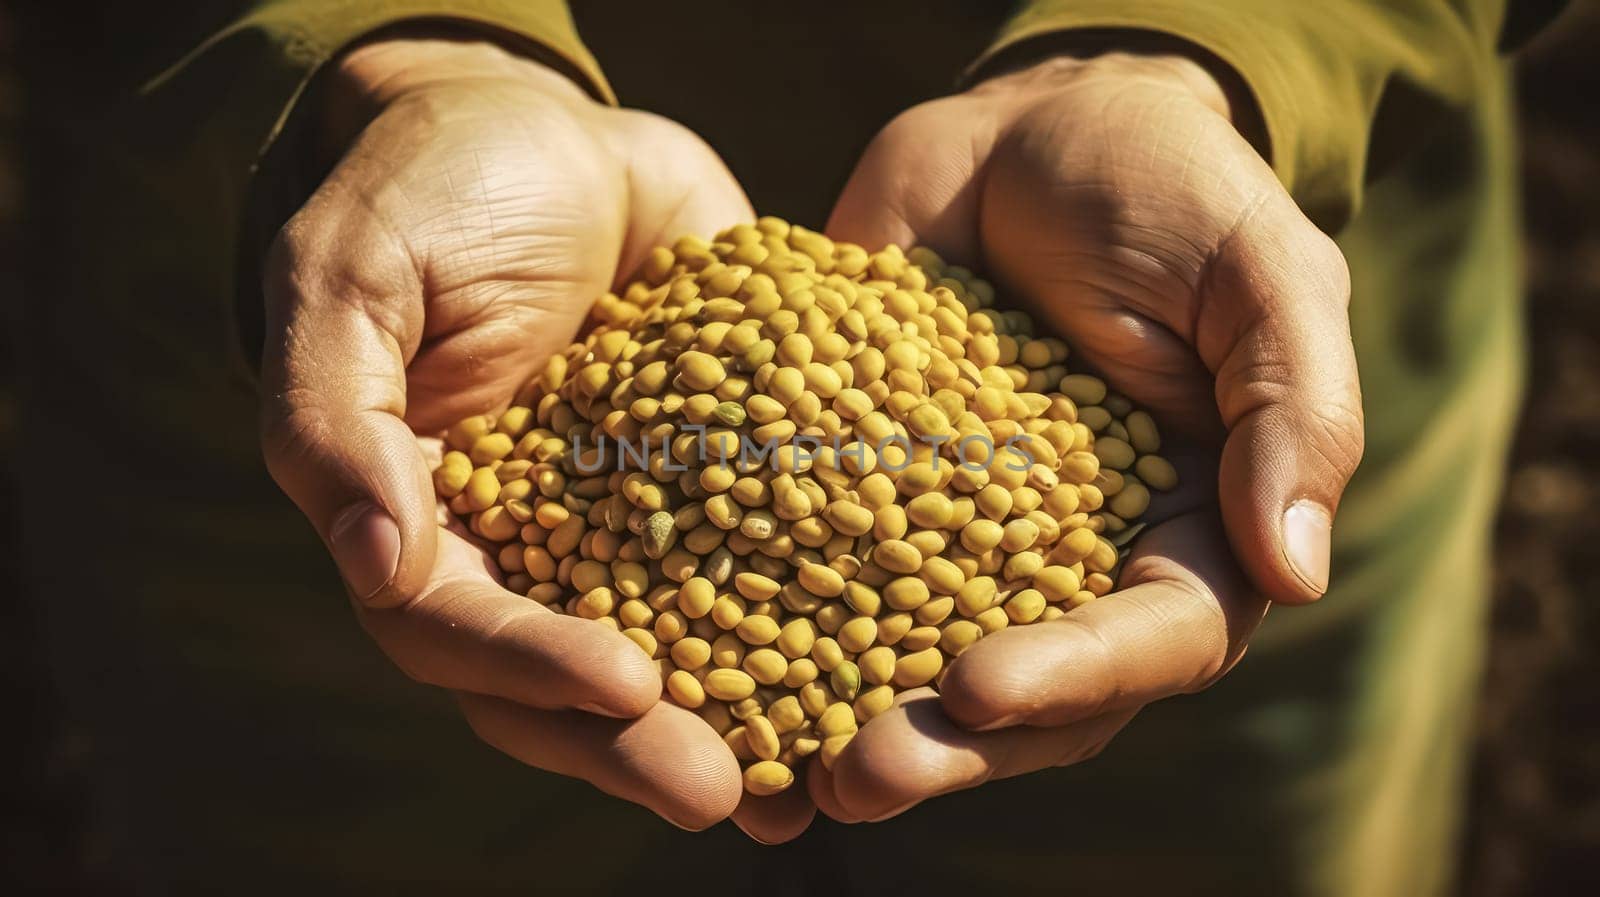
x=239, y=729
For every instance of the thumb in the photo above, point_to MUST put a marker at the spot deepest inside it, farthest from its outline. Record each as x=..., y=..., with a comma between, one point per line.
x=1274, y=328
x=343, y=314
x=677, y=185
x=916, y=184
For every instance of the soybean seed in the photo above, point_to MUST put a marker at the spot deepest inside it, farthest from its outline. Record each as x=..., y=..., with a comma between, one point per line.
x=913, y=526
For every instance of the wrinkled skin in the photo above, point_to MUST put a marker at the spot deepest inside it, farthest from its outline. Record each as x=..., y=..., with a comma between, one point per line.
x=481, y=202
x=1116, y=198
x=481, y=205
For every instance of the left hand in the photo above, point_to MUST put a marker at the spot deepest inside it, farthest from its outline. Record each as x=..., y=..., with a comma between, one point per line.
x=479, y=202
x=1115, y=196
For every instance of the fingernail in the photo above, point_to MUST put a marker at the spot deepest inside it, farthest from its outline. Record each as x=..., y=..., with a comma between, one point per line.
x=366, y=546
x=1004, y=722
x=1307, y=538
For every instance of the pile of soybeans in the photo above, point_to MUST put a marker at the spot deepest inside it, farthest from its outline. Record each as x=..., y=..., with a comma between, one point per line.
x=803, y=477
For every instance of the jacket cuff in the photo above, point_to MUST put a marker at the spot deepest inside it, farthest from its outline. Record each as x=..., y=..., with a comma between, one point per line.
x=278, y=48
x=1315, y=112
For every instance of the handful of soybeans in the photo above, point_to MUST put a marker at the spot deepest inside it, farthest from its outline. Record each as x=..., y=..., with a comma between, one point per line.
x=803, y=477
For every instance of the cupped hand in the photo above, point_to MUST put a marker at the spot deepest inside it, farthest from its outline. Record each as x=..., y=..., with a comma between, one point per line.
x=1116, y=197
x=481, y=205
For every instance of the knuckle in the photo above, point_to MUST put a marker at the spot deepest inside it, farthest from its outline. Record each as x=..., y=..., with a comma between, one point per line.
x=1330, y=261
x=286, y=246
x=1321, y=263
x=911, y=124
x=1337, y=434
x=292, y=426
x=1328, y=424
x=919, y=136
x=652, y=128
x=339, y=252
x=301, y=248
x=286, y=260
x=295, y=239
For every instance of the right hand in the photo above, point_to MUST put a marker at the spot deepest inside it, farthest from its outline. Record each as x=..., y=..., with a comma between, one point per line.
x=458, y=242
x=1116, y=196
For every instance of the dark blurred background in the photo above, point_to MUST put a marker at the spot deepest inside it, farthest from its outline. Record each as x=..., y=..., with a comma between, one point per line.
x=1534, y=822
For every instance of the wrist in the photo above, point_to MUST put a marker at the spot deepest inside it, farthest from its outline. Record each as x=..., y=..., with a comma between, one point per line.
x=1073, y=59
x=376, y=73
x=384, y=69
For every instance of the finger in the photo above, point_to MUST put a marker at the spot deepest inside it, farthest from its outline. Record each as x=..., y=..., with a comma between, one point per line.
x=821, y=781
x=678, y=185
x=913, y=752
x=820, y=787
x=908, y=189
x=667, y=760
x=1182, y=619
x=1275, y=329
x=344, y=310
x=465, y=632
x=775, y=818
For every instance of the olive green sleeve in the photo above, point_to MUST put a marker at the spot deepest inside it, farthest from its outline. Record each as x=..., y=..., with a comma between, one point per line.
x=267, y=58
x=1335, y=80
x=271, y=53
